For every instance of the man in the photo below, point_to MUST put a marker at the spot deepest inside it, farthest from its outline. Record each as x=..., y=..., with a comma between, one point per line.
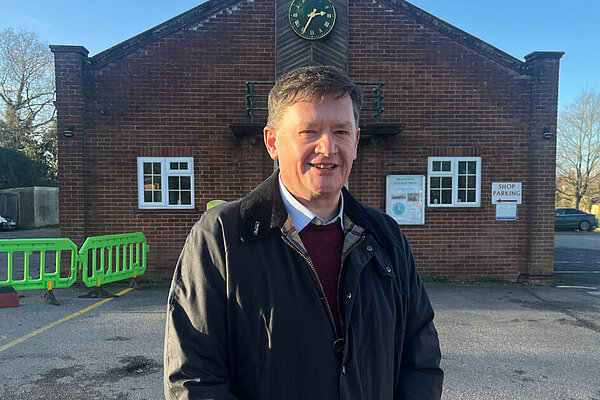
x=297, y=291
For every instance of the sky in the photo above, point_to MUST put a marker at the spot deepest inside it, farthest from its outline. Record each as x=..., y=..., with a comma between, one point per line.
x=517, y=27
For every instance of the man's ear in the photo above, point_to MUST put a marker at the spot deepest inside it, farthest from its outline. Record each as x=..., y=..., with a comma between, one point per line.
x=270, y=137
x=356, y=144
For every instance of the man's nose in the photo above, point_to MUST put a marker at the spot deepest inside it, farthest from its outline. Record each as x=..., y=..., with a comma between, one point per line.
x=326, y=144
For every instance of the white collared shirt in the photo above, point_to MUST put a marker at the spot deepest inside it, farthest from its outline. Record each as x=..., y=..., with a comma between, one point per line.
x=302, y=216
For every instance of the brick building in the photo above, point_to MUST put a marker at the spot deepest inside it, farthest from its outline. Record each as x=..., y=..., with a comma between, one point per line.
x=153, y=128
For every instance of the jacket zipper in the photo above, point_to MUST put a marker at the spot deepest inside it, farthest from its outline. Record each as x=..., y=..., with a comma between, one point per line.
x=314, y=271
x=339, y=283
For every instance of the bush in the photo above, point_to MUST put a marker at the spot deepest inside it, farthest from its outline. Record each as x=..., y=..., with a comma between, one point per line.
x=18, y=170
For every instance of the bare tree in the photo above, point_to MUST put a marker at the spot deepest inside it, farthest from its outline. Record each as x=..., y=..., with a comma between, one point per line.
x=578, y=148
x=27, y=91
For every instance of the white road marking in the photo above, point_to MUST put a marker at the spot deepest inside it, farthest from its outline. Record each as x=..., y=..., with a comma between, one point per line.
x=577, y=272
x=578, y=287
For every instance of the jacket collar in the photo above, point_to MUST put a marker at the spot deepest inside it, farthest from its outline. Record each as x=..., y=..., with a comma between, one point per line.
x=263, y=210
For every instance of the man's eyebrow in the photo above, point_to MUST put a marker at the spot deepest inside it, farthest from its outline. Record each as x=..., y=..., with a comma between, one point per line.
x=348, y=125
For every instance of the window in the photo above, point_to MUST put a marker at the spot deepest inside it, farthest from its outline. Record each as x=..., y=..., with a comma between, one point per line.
x=454, y=181
x=165, y=182
x=570, y=211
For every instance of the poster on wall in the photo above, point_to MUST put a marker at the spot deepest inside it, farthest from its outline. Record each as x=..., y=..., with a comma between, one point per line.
x=405, y=199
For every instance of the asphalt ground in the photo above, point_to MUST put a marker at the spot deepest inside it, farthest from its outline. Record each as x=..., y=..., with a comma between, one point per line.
x=499, y=341
x=72, y=352
x=577, y=259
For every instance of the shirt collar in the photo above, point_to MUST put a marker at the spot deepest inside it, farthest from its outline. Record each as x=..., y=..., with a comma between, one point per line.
x=302, y=216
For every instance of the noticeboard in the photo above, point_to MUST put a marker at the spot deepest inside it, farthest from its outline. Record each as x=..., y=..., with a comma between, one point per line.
x=405, y=199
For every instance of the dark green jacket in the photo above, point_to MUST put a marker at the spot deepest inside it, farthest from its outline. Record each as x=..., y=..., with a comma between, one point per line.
x=247, y=318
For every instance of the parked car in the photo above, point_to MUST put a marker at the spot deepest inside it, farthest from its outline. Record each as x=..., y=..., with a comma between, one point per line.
x=572, y=218
x=7, y=224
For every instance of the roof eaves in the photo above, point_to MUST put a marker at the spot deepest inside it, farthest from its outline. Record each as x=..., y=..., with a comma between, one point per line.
x=178, y=22
x=461, y=36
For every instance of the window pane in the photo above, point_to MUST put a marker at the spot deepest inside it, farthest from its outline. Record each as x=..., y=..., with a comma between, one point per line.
x=462, y=180
x=462, y=167
x=437, y=166
x=472, y=182
x=173, y=182
x=174, y=165
x=435, y=182
x=471, y=196
x=157, y=196
x=156, y=168
x=156, y=182
x=472, y=167
x=446, y=165
x=185, y=183
x=435, y=197
x=148, y=196
x=446, y=196
x=462, y=195
x=147, y=181
x=183, y=165
x=173, y=197
x=447, y=182
x=147, y=168
x=186, y=197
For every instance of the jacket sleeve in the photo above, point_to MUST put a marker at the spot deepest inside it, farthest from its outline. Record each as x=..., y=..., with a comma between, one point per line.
x=195, y=351
x=420, y=374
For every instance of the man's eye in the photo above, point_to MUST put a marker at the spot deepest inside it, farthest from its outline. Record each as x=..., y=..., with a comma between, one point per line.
x=342, y=132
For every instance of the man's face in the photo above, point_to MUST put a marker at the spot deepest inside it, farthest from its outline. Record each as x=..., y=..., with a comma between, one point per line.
x=315, y=143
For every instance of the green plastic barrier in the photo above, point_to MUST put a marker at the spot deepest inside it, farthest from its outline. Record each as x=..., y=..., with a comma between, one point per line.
x=36, y=263
x=111, y=258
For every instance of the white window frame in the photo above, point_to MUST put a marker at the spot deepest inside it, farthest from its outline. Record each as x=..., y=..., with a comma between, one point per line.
x=165, y=172
x=453, y=173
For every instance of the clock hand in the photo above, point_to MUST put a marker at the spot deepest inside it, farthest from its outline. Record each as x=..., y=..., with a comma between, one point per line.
x=313, y=14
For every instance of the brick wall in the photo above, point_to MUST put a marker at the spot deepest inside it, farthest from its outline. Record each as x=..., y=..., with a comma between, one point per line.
x=542, y=163
x=175, y=96
x=70, y=105
x=456, y=101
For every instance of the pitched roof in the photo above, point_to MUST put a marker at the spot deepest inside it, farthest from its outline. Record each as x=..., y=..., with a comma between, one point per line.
x=458, y=35
x=198, y=13
x=212, y=7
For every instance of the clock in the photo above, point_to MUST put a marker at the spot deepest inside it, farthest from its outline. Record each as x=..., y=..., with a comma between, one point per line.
x=312, y=19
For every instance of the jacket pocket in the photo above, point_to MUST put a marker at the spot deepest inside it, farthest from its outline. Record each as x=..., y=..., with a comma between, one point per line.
x=383, y=265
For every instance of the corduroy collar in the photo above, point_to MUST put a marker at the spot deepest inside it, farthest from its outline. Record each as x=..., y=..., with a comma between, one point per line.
x=263, y=209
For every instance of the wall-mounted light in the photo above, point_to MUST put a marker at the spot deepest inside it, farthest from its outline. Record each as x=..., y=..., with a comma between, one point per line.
x=548, y=133
x=68, y=132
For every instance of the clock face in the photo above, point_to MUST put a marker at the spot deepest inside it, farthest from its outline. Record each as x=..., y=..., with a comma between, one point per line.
x=312, y=19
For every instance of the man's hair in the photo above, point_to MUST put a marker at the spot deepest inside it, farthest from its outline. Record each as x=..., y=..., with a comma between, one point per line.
x=312, y=84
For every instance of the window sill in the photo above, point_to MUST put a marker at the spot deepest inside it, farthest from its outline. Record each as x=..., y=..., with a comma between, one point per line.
x=442, y=208
x=142, y=211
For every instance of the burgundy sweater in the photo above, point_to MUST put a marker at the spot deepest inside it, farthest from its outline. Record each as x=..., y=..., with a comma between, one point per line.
x=324, y=244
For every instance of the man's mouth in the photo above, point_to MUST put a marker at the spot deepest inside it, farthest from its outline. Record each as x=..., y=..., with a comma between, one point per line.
x=323, y=166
